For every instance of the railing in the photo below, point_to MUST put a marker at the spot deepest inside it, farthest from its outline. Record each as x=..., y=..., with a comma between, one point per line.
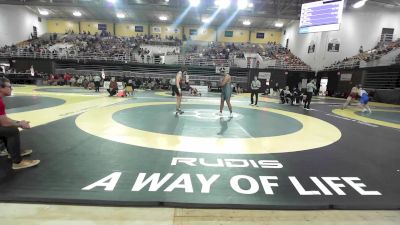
x=269, y=64
x=152, y=74
x=344, y=65
x=189, y=59
x=195, y=60
x=397, y=60
x=86, y=57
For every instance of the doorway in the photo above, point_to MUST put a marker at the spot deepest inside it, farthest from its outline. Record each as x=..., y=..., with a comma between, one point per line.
x=323, y=86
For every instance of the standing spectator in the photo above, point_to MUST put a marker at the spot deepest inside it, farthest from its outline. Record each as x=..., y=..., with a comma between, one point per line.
x=238, y=89
x=148, y=58
x=67, y=79
x=275, y=90
x=255, y=86
x=310, y=91
x=173, y=85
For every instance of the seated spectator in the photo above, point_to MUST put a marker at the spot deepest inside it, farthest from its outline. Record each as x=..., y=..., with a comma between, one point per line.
x=91, y=85
x=296, y=96
x=85, y=83
x=72, y=81
x=113, y=88
x=9, y=132
x=285, y=95
x=193, y=91
x=282, y=96
x=129, y=88
x=238, y=89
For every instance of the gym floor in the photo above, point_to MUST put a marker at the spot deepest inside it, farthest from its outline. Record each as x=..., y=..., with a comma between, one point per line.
x=111, y=151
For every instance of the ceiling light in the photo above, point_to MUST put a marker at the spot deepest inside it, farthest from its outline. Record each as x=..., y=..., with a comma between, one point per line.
x=205, y=20
x=359, y=4
x=163, y=18
x=44, y=12
x=111, y=1
x=246, y=22
x=251, y=5
x=242, y=4
x=77, y=13
x=194, y=3
x=121, y=15
x=223, y=4
x=167, y=1
x=278, y=24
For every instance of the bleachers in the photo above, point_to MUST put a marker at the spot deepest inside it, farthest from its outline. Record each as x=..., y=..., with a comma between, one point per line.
x=160, y=49
x=20, y=78
x=371, y=58
x=88, y=48
x=382, y=80
x=197, y=76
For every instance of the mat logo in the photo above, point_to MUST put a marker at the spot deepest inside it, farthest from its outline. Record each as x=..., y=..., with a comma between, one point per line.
x=241, y=184
x=207, y=114
x=230, y=163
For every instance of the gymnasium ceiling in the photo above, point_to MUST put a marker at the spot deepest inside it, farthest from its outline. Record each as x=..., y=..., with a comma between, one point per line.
x=264, y=14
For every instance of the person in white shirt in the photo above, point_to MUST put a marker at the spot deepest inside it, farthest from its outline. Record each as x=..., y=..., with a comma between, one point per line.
x=255, y=87
x=97, y=80
x=310, y=91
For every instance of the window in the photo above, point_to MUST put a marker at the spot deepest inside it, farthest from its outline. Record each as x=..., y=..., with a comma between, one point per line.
x=260, y=36
x=102, y=26
x=228, y=33
x=387, y=34
x=138, y=28
x=34, y=34
x=193, y=31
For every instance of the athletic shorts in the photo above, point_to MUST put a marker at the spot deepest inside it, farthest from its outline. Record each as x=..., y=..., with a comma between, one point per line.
x=176, y=91
x=364, y=100
x=353, y=95
x=225, y=96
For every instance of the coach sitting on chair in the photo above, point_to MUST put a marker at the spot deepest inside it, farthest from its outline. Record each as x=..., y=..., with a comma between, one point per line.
x=10, y=134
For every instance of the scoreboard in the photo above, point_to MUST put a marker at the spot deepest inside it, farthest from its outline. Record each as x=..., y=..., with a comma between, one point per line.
x=321, y=16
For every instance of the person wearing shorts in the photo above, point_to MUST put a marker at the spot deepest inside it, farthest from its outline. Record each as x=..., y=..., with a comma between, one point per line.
x=177, y=89
x=364, y=99
x=352, y=96
x=226, y=93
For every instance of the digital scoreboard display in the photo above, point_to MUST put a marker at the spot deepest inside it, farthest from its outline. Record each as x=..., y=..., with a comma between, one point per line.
x=321, y=16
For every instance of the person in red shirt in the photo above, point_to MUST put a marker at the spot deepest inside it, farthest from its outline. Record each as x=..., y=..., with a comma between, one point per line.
x=9, y=132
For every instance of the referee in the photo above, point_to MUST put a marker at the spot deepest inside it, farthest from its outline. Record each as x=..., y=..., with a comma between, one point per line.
x=255, y=87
